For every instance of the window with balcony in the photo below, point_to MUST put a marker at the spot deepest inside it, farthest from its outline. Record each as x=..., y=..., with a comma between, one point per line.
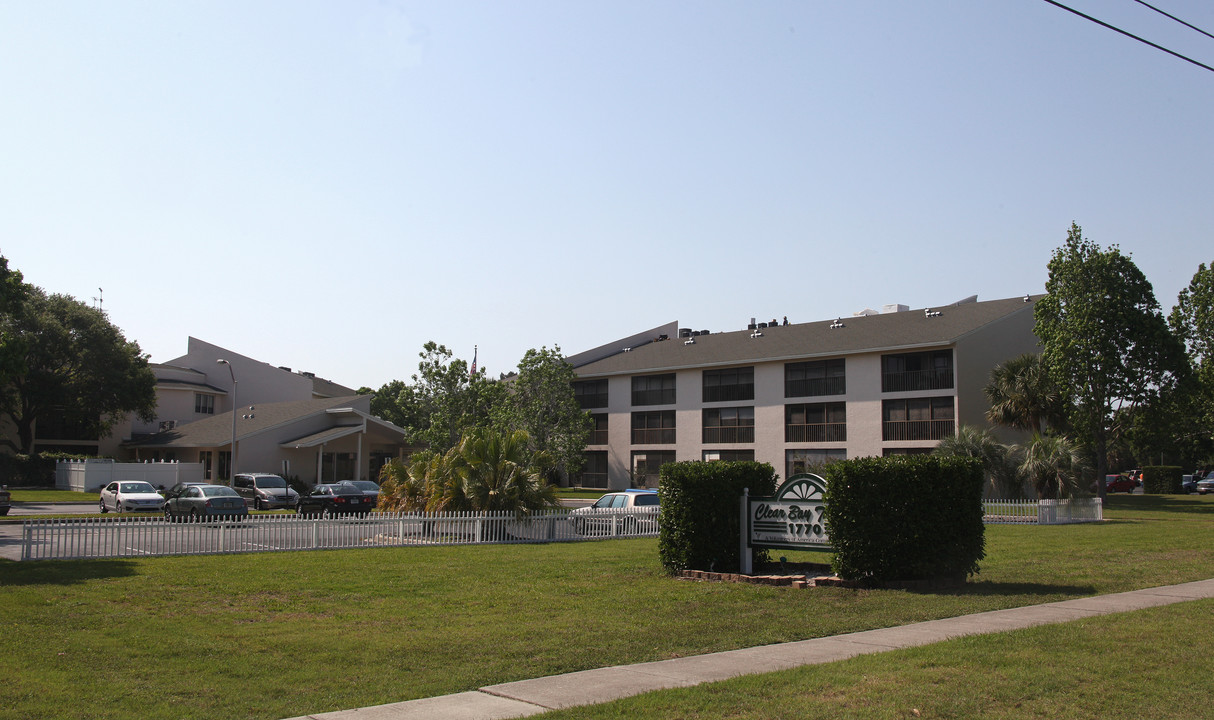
x=917, y=419
x=728, y=425
x=204, y=404
x=729, y=385
x=809, y=461
x=913, y=372
x=594, y=469
x=653, y=389
x=646, y=464
x=653, y=428
x=590, y=393
x=598, y=429
x=815, y=422
x=817, y=377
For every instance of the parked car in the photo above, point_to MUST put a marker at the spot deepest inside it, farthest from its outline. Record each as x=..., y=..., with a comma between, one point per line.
x=201, y=501
x=1206, y=484
x=130, y=496
x=5, y=500
x=1119, y=483
x=264, y=490
x=332, y=499
x=369, y=489
x=1188, y=484
x=612, y=512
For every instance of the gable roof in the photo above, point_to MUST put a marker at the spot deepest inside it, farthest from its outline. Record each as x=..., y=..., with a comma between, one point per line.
x=905, y=330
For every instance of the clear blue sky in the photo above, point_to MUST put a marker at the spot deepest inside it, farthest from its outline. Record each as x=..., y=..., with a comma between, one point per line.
x=328, y=185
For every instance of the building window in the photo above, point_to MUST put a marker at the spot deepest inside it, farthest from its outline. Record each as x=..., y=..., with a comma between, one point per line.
x=653, y=428
x=728, y=425
x=803, y=461
x=729, y=455
x=653, y=389
x=815, y=422
x=645, y=466
x=594, y=469
x=598, y=429
x=729, y=385
x=590, y=393
x=204, y=404
x=817, y=377
x=917, y=419
x=914, y=372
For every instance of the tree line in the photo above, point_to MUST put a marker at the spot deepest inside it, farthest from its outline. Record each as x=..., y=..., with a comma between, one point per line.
x=1117, y=384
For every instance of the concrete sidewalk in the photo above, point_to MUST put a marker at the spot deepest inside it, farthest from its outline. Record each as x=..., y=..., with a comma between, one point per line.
x=531, y=697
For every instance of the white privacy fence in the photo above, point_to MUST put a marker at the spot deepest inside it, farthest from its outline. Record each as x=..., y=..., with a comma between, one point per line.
x=91, y=475
x=133, y=536
x=1043, y=512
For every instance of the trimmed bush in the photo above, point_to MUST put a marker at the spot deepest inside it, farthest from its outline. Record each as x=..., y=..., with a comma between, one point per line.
x=31, y=470
x=1162, y=480
x=915, y=517
x=699, y=524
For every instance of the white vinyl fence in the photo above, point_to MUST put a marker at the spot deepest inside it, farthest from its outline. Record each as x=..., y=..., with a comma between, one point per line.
x=92, y=475
x=1043, y=512
x=134, y=536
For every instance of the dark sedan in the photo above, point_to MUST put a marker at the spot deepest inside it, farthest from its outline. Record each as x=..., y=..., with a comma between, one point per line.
x=338, y=499
x=202, y=502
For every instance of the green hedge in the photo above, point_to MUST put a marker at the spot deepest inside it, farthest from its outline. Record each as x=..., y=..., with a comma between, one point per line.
x=700, y=528
x=1162, y=480
x=916, y=517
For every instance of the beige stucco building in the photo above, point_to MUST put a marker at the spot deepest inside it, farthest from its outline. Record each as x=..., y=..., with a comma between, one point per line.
x=794, y=395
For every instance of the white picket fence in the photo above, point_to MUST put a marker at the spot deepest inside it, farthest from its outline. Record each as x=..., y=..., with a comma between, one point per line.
x=135, y=536
x=1042, y=512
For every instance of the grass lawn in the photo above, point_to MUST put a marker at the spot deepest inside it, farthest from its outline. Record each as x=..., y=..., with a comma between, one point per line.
x=50, y=495
x=282, y=634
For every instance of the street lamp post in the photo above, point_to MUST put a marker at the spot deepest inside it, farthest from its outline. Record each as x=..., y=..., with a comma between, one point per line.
x=232, y=469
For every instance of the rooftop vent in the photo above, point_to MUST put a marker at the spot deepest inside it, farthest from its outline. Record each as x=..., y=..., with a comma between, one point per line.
x=838, y=323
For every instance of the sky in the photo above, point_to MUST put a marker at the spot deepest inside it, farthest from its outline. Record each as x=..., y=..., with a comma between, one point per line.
x=329, y=185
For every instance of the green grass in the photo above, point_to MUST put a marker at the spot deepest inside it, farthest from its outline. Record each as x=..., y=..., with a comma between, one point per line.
x=579, y=494
x=283, y=634
x=48, y=495
x=1120, y=666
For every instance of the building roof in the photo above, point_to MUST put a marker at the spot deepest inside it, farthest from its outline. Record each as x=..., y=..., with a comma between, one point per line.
x=907, y=330
x=216, y=431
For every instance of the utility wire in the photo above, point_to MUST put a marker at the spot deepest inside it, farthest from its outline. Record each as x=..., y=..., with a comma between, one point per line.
x=1130, y=35
x=1182, y=22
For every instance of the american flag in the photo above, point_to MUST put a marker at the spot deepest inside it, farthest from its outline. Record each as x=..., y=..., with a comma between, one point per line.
x=473, y=373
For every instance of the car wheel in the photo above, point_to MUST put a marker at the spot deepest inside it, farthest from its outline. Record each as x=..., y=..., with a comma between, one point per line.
x=326, y=513
x=168, y=514
x=194, y=515
x=104, y=509
x=257, y=504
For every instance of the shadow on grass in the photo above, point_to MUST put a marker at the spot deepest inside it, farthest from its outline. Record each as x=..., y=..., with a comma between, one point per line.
x=63, y=572
x=1193, y=504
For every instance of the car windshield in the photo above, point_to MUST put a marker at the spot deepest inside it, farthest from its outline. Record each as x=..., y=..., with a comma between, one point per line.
x=219, y=492
x=271, y=482
x=136, y=487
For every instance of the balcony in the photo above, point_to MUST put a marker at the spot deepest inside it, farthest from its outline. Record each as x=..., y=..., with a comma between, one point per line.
x=815, y=433
x=904, y=430
x=714, y=435
x=917, y=380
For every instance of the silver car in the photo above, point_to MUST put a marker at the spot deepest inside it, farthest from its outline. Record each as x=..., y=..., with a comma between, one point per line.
x=1206, y=484
x=264, y=491
x=618, y=513
x=130, y=496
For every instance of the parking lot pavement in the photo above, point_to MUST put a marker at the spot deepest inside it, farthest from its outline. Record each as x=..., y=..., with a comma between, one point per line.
x=51, y=508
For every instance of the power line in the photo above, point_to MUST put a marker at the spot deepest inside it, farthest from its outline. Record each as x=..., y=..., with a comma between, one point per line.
x=1130, y=35
x=1182, y=22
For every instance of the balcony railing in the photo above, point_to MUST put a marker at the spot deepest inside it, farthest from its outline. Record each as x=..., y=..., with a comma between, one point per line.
x=597, y=437
x=914, y=381
x=592, y=401
x=917, y=430
x=729, y=434
x=811, y=387
x=819, y=432
x=657, y=436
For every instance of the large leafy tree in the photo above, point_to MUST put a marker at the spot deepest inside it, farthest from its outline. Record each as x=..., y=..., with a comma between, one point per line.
x=541, y=403
x=1193, y=322
x=13, y=296
x=75, y=365
x=1105, y=341
x=445, y=399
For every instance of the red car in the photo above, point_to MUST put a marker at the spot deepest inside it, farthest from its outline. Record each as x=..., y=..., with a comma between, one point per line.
x=1119, y=483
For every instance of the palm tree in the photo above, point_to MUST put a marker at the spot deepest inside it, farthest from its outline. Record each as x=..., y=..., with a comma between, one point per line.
x=997, y=465
x=1054, y=466
x=1022, y=396
x=497, y=472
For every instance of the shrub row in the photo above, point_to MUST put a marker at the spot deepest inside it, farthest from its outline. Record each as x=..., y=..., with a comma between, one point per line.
x=1162, y=480
x=916, y=517
x=700, y=525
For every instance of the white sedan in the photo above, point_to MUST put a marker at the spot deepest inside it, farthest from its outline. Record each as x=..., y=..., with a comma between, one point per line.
x=131, y=497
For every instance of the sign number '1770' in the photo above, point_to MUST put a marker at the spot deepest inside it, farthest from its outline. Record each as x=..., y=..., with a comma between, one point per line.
x=794, y=518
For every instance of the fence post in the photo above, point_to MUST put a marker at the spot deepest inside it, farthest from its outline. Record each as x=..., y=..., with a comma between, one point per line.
x=747, y=561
